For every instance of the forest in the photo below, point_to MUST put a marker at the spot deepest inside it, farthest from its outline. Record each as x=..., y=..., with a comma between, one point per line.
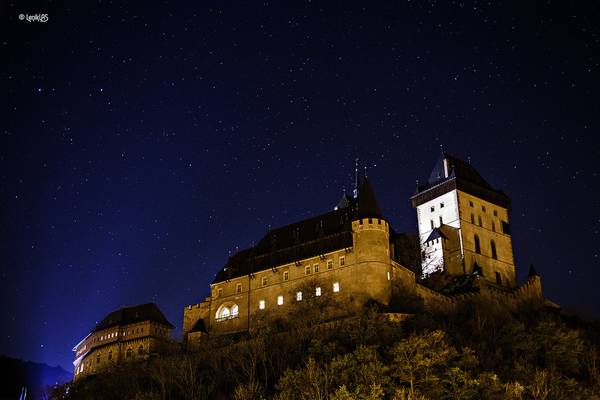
x=482, y=352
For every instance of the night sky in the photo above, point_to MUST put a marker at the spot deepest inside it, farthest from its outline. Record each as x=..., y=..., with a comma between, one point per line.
x=142, y=144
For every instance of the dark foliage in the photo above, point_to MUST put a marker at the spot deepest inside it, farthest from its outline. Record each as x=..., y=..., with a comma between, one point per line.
x=483, y=352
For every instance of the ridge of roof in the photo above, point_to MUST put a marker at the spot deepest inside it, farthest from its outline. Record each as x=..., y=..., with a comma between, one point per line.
x=131, y=315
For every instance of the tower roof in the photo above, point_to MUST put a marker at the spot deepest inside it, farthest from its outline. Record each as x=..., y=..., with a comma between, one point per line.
x=451, y=173
x=367, y=206
x=131, y=315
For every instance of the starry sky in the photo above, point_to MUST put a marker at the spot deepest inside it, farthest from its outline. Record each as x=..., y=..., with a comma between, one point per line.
x=142, y=144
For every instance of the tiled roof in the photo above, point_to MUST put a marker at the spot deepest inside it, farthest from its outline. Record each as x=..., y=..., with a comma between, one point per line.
x=131, y=315
x=304, y=239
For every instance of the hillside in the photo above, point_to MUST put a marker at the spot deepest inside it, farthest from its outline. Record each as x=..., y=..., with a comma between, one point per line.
x=481, y=353
x=35, y=377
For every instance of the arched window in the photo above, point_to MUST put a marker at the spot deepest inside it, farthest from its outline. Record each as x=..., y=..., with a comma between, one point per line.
x=227, y=311
x=477, y=245
x=140, y=350
x=493, y=246
x=128, y=353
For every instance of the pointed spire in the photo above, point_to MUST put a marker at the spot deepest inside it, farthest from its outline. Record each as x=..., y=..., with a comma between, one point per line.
x=367, y=203
x=532, y=271
x=356, y=177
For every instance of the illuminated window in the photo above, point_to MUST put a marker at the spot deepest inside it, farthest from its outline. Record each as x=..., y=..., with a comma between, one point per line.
x=317, y=291
x=477, y=245
x=329, y=264
x=389, y=276
x=238, y=288
x=336, y=287
x=342, y=261
x=493, y=246
x=128, y=353
x=286, y=275
x=298, y=296
x=261, y=305
x=264, y=281
x=316, y=268
x=140, y=350
x=279, y=300
x=235, y=310
x=307, y=270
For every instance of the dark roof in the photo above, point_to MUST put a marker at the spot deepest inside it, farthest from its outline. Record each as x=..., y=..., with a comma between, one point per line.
x=344, y=202
x=460, y=175
x=436, y=233
x=131, y=315
x=199, y=326
x=304, y=239
x=367, y=203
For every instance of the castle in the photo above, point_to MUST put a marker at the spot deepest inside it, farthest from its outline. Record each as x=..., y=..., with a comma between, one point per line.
x=128, y=334
x=332, y=265
x=342, y=260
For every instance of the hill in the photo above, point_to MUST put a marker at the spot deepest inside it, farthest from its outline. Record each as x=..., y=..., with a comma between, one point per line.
x=36, y=377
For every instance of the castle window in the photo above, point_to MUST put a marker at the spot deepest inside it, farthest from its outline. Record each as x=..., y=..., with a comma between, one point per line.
x=279, y=300
x=505, y=228
x=336, y=287
x=264, y=281
x=360, y=221
x=483, y=208
x=128, y=353
x=110, y=355
x=471, y=203
x=493, y=226
x=329, y=264
x=498, y=278
x=441, y=205
x=472, y=218
x=235, y=310
x=477, y=245
x=219, y=292
x=441, y=221
x=479, y=220
x=432, y=209
x=261, y=305
x=432, y=225
x=317, y=291
x=307, y=270
x=98, y=359
x=493, y=246
x=140, y=350
x=298, y=296
x=238, y=288
x=495, y=213
x=316, y=268
x=389, y=276
x=286, y=275
x=342, y=261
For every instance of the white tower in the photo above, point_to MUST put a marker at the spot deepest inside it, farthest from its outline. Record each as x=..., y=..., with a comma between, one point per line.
x=463, y=224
